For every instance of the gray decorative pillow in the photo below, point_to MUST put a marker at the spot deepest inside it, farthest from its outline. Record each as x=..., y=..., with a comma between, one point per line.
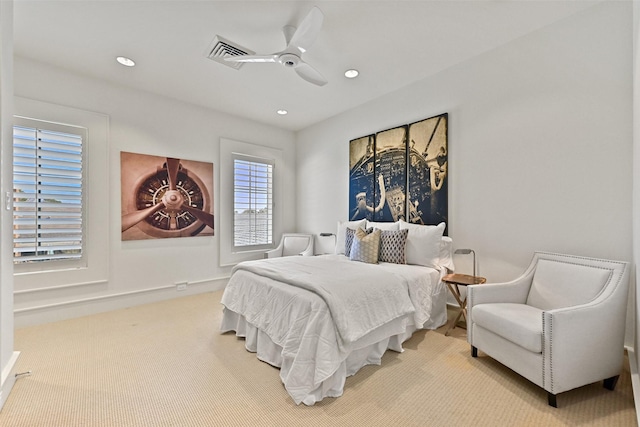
x=365, y=247
x=348, y=239
x=392, y=244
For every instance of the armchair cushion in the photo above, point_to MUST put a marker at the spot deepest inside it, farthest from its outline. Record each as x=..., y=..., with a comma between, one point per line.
x=519, y=323
x=561, y=284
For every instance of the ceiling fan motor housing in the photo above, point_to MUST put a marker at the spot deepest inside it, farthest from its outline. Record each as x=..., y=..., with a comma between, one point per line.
x=289, y=60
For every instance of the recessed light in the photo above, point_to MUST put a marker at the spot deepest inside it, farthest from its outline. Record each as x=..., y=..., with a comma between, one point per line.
x=351, y=74
x=282, y=112
x=125, y=61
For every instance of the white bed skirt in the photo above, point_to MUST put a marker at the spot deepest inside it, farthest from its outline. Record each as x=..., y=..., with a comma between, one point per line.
x=367, y=351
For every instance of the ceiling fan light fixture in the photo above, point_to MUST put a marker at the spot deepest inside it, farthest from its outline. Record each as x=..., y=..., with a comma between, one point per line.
x=282, y=112
x=351, y=73
x=127, y=62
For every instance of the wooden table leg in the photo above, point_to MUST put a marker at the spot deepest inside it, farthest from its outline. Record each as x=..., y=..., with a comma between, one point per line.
x=462, y=303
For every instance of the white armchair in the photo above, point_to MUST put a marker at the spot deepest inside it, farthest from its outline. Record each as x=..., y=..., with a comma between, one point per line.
x=292, y=244
x=560, y=325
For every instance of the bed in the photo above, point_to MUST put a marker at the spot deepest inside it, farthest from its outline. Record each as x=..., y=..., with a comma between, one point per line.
x=322, y=318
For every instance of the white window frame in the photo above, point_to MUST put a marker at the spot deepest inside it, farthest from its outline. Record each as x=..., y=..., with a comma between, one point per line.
x=37, y=277
x=259, y=197
x=230, y=255
x=34, y=263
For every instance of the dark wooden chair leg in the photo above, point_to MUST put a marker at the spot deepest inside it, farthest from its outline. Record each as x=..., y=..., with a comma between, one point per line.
x=474, y=352
x=610, y=383
x=552, y=399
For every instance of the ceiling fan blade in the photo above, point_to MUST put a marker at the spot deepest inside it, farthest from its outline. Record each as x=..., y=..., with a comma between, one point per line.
x=203, y=216
x=131, y=219
x=307, y=30
x=310, y=74
x=252, y=58
x=172, y=171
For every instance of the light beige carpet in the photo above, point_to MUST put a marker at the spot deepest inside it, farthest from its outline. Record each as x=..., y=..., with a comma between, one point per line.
x=166, y=364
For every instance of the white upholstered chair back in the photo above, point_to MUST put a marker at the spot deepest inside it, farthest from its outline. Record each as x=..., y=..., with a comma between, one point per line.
x=293, y=244
x=557, y=284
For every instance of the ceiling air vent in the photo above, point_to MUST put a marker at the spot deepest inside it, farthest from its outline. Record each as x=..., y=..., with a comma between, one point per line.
x=221, y=48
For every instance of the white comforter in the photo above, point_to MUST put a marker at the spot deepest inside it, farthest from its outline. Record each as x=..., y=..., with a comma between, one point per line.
x=315, y=341
x=360, y=297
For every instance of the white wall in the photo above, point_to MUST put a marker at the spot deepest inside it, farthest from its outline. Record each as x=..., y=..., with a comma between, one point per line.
x=144, y=270
x=540, y=148
x=8, y=356
x=633, y=353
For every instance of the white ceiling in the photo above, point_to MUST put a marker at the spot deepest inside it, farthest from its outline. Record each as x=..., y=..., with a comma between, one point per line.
x=392, y=43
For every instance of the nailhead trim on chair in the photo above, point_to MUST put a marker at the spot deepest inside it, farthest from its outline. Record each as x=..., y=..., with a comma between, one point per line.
x=544, y=353
x=469, y=323
x=581, y=257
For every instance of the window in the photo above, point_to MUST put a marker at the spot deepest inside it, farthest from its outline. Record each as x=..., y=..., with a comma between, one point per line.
x=233, y=250
x=48, y=194
x=253, y=202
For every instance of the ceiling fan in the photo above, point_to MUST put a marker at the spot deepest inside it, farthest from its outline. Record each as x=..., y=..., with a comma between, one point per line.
x=298, y=40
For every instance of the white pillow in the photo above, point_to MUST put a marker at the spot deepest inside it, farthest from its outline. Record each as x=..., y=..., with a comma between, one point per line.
x=446, y=253
x=342, y=231
x=387, y=226
x=423, y=243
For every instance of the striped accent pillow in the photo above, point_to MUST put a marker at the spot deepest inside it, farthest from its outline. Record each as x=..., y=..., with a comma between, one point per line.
x=392, y=244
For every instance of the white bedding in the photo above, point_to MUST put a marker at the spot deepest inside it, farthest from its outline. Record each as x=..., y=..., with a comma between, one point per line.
x=360, y=297
x=290, y=320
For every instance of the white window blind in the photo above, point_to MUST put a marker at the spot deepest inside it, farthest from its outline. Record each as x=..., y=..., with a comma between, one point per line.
x=253, y=202
x=47, y=194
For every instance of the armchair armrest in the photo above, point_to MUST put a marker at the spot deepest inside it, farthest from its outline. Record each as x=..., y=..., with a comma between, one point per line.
x=273, y=253
x=594, y=330
x=308, y=251
x=515, y=291
x=276, y=252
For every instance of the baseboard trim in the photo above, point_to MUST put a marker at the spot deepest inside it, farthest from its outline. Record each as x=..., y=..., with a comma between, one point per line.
x=62, y=310
x=56, y=288
x=8, y=378
x=635, y=380
x=92, y=299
